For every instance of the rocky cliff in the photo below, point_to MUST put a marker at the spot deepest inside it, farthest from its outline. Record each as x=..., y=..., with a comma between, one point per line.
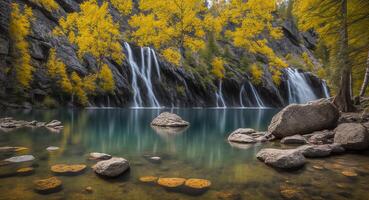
x=171, y=86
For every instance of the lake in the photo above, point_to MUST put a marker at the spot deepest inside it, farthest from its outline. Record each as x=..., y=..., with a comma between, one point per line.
x=199, y=151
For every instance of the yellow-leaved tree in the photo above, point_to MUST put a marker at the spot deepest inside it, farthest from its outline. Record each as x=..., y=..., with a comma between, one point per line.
x=49, y=5
x=256, y=73
x=171, y=26
x=56, y=70
x=218, y=67
x=250, y=27
x=78, y=89
x=123, y=6
x=19, y=28
x=106, y=79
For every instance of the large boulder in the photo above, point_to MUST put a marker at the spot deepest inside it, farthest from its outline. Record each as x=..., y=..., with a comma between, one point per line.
x=112, y=167
x=352, y=136
x=304, y=118
x=167, y=119
x=283, y=159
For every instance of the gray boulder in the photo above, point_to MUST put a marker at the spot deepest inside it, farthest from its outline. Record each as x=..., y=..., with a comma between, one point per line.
x=112, y=167
x=20, y=159
x=295, y=139
x=242, y=135
x=315, y=151
x=304, y=118
x=336, y=148
x=352, y=136
x=167, y=119
x=282, y=159
x=99, y=156
x=321, y=137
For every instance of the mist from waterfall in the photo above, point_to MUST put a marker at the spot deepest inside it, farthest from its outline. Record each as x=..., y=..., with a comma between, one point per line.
x=299, y=90
x=219, y=97
x=144, y=73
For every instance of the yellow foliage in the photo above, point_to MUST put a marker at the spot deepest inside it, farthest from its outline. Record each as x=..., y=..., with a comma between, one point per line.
x=256, y=73
x=218, y=67
x=89, y=83
x=172, y=55
x=276, y=76
x=123, y=6
x=308, y=62
x=93, y=31
x=106, y=79
x=19, y=28
x=78, y=89
x=169, y=26
x=56, y=70
x=49, y=5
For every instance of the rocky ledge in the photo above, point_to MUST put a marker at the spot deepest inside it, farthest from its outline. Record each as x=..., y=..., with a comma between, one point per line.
x=167, y=119
x=9, y=124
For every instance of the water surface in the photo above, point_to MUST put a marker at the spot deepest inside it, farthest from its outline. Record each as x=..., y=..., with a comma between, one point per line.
x=200, y=151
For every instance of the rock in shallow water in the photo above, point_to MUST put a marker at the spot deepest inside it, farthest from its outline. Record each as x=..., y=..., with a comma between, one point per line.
x=12, y=149
x=171, y=183
x=315, y=151
x=52, y=148
x=283, y=159
x=99, y=156
x=167, y=119
x=112, y=167
x=63, y=169
x=25, y=171
x=295, y=139
x=352, y=136
x=49, y=185
x=19, y=159
x=242, y=135
x=304, y=118
x=148, y=179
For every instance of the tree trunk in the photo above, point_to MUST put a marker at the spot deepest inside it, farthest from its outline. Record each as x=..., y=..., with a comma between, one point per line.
x=366, y=79
x=343, y=99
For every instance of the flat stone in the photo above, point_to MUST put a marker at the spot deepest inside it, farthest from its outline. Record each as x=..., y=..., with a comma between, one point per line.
x=25, y=171
x=199, y=184
x=167, y=119
x=171, y=182
x=112, y=167
x=12, y=149
x=49, y=185
x=19, y=159
x=315, y=151
x=52, y=148
x=283, y=159
x=349, y=173
x=242, y=135
x=64, y=169
x=295, y=139
x=99, y=156
x=148, y=179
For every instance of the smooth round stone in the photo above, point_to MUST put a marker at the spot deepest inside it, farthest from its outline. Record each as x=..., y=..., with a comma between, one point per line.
x=148, y=179
x=19, y=159
x=155, y=159
x=112, y=167
x=63, y=169
x=89, y=189
x=52, y=148
x=25, y=171
x=349, y=173
x=195, y=183
x=171, y=182
x=99, y=156
x=49, y=185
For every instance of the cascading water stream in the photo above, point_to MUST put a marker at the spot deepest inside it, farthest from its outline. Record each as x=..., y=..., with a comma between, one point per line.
x=299, y=90
x=144, y=74
x=258, y=100
x=325, y=89
x=241, y=96
x=219, y=97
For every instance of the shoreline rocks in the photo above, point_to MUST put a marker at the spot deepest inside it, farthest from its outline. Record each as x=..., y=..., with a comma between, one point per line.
x=295, y=139
x=242, y=135
x=352, y=136
x=304, y=118
x=8, y=124
x=112, y=167
x=167, y=119
x=282, y=159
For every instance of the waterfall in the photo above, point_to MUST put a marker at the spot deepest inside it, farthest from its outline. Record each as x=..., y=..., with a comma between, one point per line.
x=219, y=96
x=325, y=89
x=299, y=90
x=258, y=100
x=241, y=96
x=144, y=74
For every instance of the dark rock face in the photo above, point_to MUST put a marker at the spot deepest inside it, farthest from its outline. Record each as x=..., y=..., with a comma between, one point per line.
x=304, y=118
x=177, y=86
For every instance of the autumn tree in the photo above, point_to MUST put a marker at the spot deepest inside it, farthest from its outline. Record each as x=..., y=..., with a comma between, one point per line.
x=57, y=71
x=19, y=28
x=171, y=26
x=218, y=67
x=49, y=5
x=341, y=25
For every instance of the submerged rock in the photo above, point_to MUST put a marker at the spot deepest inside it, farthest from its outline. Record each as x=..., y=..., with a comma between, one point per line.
x=171, y=183
x=49, y=185
x=19, y=159
x=12, y=149
x=197, y=184
x=228, y=195
x=167, y=119
x=112, y=167
x=295, y=139
x=148, y=179
x=349, y=173
x=352, y=136
x=283, y=159
x=242, y=135
x=25, y=171
x=52, y=148
x=304, y=118
x=63, y=169
x=315, y=151
x=99, y=156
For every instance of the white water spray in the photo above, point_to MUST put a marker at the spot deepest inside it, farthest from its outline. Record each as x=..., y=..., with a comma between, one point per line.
x=299, y=90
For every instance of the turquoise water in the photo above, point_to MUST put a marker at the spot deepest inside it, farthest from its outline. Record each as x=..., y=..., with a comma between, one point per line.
x=200, y=151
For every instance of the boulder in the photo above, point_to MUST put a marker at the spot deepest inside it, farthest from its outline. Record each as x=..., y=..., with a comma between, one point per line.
x=315, y=151
x=321, y=137
x=49, y=185
x=283, y=159
x=63, y=169
x=352, y=136
x=295, y=139
x=112, y=167
x=19, y=159
x=304, y=118
x=167, y=119
x=336, y=148
x=99, y=156
x=242, y=135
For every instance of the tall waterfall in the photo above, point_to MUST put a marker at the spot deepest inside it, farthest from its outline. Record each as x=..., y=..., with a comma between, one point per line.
x=299, y=90
x=325, y=89
x=255, y=96
x=144, y=73
x=219, y=97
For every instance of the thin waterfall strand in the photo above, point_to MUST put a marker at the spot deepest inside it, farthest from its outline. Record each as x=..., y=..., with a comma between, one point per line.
x=257, y=98
x=219, y=97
